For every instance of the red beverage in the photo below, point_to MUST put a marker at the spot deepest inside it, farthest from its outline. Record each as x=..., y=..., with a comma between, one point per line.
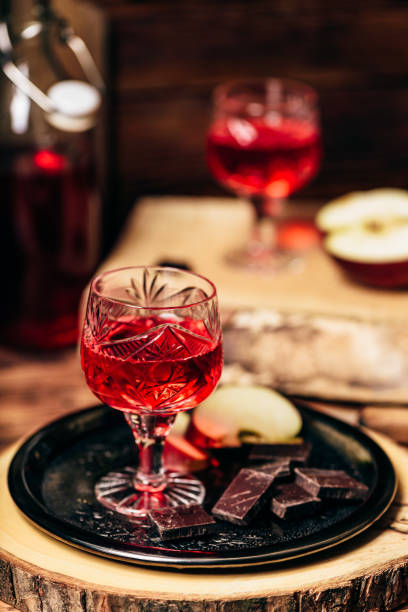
x=152, y=364
x=50, y=236
x=270, y=157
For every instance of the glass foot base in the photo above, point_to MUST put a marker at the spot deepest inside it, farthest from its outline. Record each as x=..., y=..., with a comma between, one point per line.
x=265, y=260
x=116, y=492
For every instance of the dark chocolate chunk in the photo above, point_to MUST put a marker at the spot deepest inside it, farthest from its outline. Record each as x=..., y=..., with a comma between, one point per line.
x=230, y=454
x=244, y=496
x=334, y=484
x=281, y=468
x=292, y=502
x=298, y=454
x=182, y=522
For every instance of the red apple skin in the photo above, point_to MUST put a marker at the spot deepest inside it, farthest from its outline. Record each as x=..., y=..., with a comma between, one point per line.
x=179, y=454
x=386, y=275
x=201, y=439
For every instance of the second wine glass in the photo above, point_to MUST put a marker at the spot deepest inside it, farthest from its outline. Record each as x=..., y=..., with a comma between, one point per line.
x=264, y=144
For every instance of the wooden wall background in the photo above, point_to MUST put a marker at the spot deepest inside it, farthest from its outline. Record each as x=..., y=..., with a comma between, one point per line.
x=163, y=59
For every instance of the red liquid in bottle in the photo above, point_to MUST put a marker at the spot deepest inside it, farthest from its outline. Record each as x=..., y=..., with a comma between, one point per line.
x=152, y=364
x=50, y=236
x=256, y=157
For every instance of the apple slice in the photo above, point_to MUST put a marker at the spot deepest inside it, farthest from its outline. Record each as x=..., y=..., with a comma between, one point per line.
x=178, y=453
x=180, y=425
x=367, y=235
x=364, y=208
x=379, y=244
x=236, y=414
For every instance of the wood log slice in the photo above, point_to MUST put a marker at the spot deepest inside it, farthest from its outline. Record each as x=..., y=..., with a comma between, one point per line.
x=367, y=573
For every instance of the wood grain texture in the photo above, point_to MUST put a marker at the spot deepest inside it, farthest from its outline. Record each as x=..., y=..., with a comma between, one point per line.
x=203, y=230
x=308, y=332
x=165, y=58
x=366, y=574
x=390, y=420
x=37, y=389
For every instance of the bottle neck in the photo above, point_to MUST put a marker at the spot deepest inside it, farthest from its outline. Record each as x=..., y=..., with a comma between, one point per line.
x=36, y=48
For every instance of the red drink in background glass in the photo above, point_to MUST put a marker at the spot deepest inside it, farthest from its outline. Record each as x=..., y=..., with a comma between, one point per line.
x=264, y=144
x=257, y=156
x=152, y=364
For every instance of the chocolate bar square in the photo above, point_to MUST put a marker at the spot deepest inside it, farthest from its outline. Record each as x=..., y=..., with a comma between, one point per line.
x=244, y=496
x=292, y=502
x=282, y=469
x=332, y=484
x=298, y=454
x=182, y=522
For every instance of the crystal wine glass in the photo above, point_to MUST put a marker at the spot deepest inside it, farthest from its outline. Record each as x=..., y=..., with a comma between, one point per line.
x=151, y=347
x=264, y=144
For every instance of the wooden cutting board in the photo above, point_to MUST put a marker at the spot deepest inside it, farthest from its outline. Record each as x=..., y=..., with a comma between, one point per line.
x=39, y=573
x=201, y=231
x=310, y=331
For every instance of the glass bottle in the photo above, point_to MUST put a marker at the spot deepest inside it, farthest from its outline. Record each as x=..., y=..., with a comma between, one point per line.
x=50, y=200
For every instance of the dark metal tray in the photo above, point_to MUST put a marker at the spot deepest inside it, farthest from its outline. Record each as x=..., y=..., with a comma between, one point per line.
x=52, y=476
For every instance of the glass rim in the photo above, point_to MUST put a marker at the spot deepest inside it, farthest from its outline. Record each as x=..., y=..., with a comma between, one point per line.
x=220, y=92
x=102, y=275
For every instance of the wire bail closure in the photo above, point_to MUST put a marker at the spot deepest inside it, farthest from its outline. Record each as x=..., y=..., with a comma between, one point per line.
x=69, y=105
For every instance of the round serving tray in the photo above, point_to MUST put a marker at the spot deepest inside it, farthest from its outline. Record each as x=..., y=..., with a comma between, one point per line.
x=52, y=476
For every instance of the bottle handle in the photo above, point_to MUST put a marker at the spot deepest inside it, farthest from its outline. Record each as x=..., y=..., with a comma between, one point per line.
x=18, y=78
x=83, y=56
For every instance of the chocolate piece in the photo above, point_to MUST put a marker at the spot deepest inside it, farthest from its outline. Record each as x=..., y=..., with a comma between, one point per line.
x=281, y=468
x=244, y=496
x=182, y=522
x=335, y=484
x=298, y=454
x=292, y=502
x=230, y=454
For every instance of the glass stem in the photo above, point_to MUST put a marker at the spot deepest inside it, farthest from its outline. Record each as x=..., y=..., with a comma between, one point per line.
x=149, y=432
x=267, y=210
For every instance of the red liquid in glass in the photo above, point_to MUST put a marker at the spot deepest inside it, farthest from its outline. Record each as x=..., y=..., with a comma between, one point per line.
x=253, y=157
x=152, y=364
x=50, y=235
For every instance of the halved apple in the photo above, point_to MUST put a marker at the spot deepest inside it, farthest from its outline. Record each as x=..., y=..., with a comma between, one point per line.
x=367, y=235
x=363, y=208
x=236, y=414
x=180, y=454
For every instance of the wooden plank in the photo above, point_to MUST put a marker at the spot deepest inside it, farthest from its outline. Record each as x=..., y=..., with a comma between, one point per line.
x=37, y=390
x=319, y=41
x=202, y=231
x=182, y=115
x=165, y=58
x=308, y=332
